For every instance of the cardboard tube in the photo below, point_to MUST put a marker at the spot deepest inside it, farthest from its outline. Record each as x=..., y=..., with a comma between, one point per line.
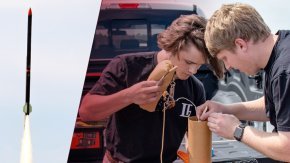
x=199, y=141
x=163, y=69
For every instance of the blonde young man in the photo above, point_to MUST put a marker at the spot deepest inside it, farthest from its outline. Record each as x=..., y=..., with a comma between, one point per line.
x=134, y=134
x=237, y=35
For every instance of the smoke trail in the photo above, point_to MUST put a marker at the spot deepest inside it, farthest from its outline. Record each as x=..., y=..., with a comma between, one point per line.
x=26, y=147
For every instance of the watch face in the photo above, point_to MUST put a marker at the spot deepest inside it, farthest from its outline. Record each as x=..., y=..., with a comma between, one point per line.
x=238, y=133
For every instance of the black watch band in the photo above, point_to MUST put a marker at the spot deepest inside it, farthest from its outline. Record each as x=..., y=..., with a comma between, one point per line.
x=239, y=132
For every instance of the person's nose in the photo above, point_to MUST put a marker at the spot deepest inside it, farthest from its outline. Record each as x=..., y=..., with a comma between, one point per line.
x=193, y=68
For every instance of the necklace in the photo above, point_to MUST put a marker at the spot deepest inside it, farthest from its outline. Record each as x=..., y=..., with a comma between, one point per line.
x=168, y=98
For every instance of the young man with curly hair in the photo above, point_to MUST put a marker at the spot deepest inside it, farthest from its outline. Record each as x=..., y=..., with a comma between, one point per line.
x=134, y=134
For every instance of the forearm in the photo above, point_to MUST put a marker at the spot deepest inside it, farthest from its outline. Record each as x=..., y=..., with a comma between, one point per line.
x=252, y=110
x=97, y=107
x=273, y=145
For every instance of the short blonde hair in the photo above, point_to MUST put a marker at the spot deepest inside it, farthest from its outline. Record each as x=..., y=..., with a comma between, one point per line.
x=233, y=21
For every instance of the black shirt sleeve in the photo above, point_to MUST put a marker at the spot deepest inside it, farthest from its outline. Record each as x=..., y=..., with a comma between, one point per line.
x=281, y=95
x=113, y=78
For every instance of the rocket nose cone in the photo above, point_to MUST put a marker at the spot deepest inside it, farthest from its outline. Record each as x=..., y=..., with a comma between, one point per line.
x=29, y=12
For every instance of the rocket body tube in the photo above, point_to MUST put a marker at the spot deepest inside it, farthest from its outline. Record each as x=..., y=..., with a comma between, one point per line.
x=27, y=107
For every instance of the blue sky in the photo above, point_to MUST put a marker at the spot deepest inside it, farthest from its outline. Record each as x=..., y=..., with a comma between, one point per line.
x=61, y=41
x=62, y=34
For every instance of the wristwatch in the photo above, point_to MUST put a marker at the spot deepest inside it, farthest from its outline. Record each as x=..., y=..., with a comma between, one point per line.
x=239, y=131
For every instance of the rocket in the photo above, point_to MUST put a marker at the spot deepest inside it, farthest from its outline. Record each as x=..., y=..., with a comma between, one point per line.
x=27, y=107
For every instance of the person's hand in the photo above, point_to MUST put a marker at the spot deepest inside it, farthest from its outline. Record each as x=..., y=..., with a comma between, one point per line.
x=210, y=107
x=144, y=92
x=223, y=125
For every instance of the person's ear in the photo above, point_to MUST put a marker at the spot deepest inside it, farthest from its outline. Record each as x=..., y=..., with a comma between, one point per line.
x=241, y=44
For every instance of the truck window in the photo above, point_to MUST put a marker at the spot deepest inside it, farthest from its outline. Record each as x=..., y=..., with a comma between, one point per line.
x=129, y=34
x=103, y=37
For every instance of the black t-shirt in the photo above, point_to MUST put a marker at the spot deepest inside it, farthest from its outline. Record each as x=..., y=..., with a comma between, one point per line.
x=133, y=134
x=277, y=83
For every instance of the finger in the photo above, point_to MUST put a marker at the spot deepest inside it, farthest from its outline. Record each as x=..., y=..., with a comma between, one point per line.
x=205, y=113
x=215, y=115
x=153, y=96
x=149, y=83
x=211, y=126
x=146, y=100
x=199, y=110
x=210, y=119
x=204, y=110
x=151, y=89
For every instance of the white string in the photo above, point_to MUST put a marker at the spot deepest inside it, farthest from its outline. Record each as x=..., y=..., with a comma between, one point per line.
x=164, y=115
x=163, y=128
x=186, y=100
x=165, y=107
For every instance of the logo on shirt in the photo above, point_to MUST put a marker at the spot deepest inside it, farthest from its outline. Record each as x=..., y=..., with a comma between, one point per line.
x=187, y=106
x=186, y=110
